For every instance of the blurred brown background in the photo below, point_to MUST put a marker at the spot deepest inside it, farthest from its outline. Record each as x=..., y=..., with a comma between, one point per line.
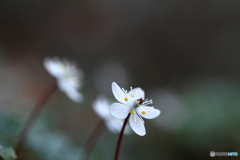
x=185, y=54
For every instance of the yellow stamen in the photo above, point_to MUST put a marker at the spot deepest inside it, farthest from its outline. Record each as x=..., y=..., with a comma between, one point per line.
x=126, y=99
x=131, y=111
x=144, y=112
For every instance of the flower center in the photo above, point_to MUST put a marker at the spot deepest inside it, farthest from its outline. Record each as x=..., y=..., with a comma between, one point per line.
x=140, y=100
x=131, y=111
x=126, y=99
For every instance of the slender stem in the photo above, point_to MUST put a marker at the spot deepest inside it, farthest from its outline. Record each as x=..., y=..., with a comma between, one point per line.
x=120, y=138
x=92, y=139
x=33, y=116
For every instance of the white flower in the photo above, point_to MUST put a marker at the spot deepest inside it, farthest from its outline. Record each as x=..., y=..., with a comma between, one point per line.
x=101, y=107
x=132, y=102
x=68, y=76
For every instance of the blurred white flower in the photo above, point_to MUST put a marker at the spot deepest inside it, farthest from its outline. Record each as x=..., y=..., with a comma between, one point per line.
x=132, y=102
x=68, y=75
x=101, y=108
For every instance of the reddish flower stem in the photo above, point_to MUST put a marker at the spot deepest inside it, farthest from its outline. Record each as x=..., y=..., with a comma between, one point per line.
x=33, y=116
x=92, y=139
x=120, y=138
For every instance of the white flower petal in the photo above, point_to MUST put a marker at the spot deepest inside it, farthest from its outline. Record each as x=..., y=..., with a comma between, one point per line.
x=101, y=107
x=148, y=112
x=75, y=95
x=115, y=126
x=54, y=67
x=136, y=93
x=69, y=90
x=137, y=124
x=139, y=93
x=119, y=110
x=118, y=93
x=68, y=75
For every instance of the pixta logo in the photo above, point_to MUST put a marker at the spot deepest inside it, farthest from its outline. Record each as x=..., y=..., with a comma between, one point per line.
x=226, y=154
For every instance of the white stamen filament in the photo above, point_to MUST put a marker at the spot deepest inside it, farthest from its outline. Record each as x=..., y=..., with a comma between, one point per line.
x=147, y=102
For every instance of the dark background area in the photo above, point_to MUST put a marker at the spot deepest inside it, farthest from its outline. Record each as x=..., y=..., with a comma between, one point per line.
x=184, y=54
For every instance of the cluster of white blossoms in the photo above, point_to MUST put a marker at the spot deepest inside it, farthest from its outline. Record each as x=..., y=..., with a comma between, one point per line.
x=101, y=108
x=69, y=80
x=135, y=104
x=68, y=76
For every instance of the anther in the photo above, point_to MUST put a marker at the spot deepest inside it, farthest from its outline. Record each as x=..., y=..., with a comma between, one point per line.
x=140, y=100
x=144, y=112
